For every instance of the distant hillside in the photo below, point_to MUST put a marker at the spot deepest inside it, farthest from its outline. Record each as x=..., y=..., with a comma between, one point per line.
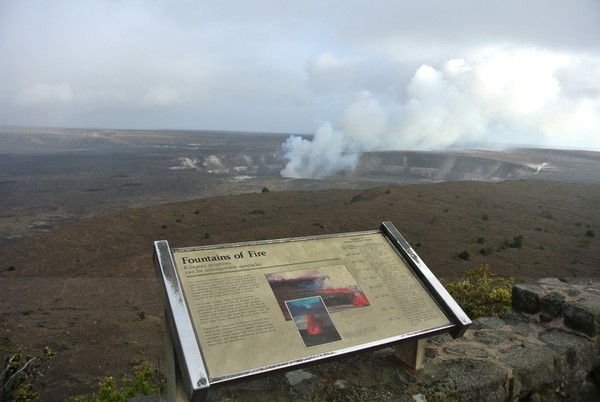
x=440, y=220
x=53, y=177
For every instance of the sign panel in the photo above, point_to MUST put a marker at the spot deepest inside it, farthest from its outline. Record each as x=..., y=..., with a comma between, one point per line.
x=254, y=307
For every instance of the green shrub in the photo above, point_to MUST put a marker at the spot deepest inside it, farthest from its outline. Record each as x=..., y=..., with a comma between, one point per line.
x=517, y=242
x=482, y=293
x=464, y=255
x=590, y=233
x=18, y=371
x=485, y=251
x=147, y=380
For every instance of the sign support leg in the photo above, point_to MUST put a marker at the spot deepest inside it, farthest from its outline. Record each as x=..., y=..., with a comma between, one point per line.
x=175, y=390
x=412, y=353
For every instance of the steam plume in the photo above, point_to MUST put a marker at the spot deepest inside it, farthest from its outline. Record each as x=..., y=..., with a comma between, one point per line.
x=492, y=99
x=329, y=152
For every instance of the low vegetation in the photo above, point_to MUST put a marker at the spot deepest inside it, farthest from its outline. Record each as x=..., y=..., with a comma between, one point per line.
x=464, y=255
x=146, y=380
x=482, y=293
x=516, y=242
x=18, y=374
x=485, y=251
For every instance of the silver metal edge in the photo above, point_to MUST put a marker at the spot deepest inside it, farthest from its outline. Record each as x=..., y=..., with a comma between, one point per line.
x=437, y=290
x=363, y=347
x=194, y=373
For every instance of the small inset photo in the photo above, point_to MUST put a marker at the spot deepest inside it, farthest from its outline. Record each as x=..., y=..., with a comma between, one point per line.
x=313, y=321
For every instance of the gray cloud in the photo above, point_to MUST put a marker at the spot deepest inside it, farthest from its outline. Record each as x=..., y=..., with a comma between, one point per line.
x=264, y=65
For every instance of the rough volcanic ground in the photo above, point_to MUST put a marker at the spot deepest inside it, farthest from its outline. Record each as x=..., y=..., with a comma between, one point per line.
x=88, y=289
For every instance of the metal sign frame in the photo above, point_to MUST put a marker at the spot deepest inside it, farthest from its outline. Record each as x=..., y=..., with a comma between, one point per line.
x=188, y=350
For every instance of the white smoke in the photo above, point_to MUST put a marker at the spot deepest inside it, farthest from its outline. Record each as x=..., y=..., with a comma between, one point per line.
x=332, y=151
x=495, y=98
x=329, y=152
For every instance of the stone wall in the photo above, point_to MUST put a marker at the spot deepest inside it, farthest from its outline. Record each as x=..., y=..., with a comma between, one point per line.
x=546, y=349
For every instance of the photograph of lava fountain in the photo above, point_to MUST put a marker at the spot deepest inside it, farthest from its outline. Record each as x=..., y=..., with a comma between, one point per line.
x=313, y=321
x=334, y=284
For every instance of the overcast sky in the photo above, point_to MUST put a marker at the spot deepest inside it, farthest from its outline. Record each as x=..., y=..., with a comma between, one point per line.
x=408, y=74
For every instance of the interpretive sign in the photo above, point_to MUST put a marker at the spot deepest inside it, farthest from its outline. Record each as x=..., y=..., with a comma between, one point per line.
x=247, y=308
